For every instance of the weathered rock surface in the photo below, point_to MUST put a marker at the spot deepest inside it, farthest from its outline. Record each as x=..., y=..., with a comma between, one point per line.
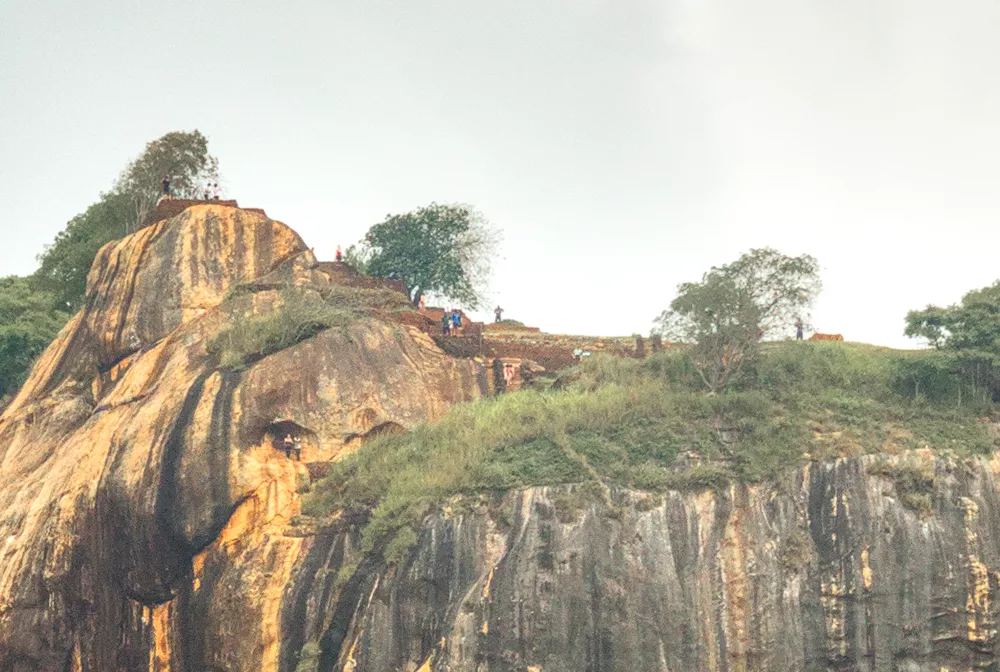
x=147, y=520
x=832, y=573
x=128, y=453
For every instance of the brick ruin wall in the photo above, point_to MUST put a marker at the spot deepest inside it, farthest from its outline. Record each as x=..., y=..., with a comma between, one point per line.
x=171, y=207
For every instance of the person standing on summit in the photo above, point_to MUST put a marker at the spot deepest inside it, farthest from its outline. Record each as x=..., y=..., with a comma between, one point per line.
x=166, y=186
x=498, y=311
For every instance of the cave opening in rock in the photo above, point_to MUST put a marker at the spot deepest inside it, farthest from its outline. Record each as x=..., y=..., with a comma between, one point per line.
x=275, y=433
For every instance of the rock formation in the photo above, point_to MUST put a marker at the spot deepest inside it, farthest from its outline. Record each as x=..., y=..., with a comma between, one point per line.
x=147, y=520
x=130, y=461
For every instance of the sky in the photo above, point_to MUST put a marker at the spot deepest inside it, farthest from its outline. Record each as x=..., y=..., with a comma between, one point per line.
x=622, y=146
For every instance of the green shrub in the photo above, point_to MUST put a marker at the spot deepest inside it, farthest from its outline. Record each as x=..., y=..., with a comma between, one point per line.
x=297, y=315
x=309, y=657
x=914, y=484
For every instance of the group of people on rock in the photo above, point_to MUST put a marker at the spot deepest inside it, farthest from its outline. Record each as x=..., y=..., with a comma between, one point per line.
x=451, y=322
x=211, y=192
x=290, y=444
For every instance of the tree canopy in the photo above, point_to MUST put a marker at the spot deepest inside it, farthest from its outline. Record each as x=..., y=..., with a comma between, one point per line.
x=34, y=308
x=28, y=323
x=728, y=313
x=66, y=262
x=182, y=156
x=967, y=334
x=444, y=250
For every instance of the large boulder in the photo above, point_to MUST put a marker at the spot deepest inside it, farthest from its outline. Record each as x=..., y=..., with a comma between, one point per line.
x=129, y=452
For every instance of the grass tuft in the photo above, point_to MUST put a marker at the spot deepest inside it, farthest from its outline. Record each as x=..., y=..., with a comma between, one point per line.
x=298, y=314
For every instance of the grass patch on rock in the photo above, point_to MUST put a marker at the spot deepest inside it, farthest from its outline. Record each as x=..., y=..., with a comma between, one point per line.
x=294, y=314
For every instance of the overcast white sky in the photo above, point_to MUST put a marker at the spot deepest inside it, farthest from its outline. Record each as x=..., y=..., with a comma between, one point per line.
x=622, y=146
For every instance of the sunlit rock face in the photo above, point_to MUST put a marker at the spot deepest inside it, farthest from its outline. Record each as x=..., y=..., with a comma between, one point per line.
x=133, y=470
x=147, y=516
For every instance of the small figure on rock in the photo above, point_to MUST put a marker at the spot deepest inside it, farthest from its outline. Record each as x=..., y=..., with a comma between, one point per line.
x=508, y=373
x=166, y=187
x=216, y=191
x=456, y=321
x=208, y=191
x=498, y=311
x=798, y=329
x=422, y=304
x=298, y=448
x=339, y=258
x=288, y=443
x=445, y=323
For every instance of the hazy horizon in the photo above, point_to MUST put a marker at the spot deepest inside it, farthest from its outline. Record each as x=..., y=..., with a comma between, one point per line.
x=622, y=148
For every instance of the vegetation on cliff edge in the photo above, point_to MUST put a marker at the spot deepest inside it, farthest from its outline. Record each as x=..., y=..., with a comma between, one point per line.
x=644, y=424
x=294, y=314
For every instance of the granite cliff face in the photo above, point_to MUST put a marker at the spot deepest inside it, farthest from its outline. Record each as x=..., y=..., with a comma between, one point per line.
x=146, y=517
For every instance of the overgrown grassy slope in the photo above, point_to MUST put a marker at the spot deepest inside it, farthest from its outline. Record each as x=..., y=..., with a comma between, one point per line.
x=646, y=424
x=298, y=314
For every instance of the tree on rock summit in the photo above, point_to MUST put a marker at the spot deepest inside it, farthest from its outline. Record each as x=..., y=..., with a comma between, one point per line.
x=65, y=263
x=728, y=313
x=443, y=250
x=34, y=308
x=182, y=156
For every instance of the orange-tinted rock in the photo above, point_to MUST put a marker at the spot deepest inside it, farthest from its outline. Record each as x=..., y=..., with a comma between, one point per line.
x=134, y=456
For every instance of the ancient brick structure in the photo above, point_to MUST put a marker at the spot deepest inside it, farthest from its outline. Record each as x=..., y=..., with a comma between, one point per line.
x=172, y=207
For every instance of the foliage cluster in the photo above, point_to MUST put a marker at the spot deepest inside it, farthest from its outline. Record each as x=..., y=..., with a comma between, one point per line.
x=28, y=323
x=65, y=263
x=34, y=308
x=643, y=424
x=914, y=484
x=438, y=250
x=726, y=315
x=967, y=337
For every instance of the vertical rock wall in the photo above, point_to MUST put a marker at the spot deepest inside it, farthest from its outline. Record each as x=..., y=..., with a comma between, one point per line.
x=832, y=573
